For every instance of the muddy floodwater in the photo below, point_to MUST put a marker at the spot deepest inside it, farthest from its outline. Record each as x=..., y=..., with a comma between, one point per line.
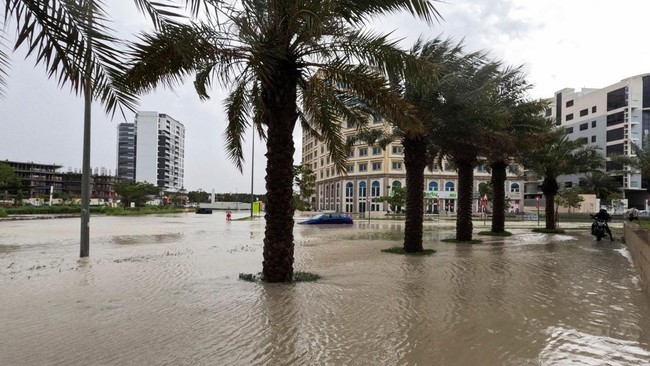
x=165, y=291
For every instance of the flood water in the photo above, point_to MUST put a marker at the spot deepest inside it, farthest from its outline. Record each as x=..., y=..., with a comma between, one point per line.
x=165, y=291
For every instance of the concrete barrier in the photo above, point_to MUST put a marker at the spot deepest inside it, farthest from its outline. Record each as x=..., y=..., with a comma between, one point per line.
x=638, y=243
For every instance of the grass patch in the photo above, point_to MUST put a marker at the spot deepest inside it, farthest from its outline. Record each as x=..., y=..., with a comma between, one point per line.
x=138, y=211
x=297, y=277
x=456, y=241
x=3, y=213
x=549, y=231
x=491, y=233
x=248, y=277
x=400, y=250
x=305, y=277
x=382, y=235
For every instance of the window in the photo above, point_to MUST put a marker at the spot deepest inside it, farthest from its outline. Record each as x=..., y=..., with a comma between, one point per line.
x=593, y=109
x=569, y=130
x=593, y=138
x=376, y=166
x=448, y=167
x=584, y=112
x=376, y=119
x=593, y=124
x=397, y=165
x=362, y=190
x=363, y=167
x=584, y=126
x=615, y=119
x=616, y=99
x=513, y=168
x=569, y=116
x=617, y=134
x=398, y=150
x=433, y=166
x=433, y=185
x=480, y=168
x=548, y=112
x=375, y=189
x=351, y=153
x=377, y=150
x=569, y=103
x=363, y=151
x=514, y=187
x=614, y=150
x=568, y=184
x=349, y=189
x=449, y=186
x=397, y=184
x=350, y=168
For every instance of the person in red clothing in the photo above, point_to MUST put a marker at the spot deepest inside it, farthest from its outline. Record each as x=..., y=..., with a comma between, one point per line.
x=228, y=216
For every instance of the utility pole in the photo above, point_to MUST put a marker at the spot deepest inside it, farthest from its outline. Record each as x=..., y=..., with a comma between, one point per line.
x=252, y=169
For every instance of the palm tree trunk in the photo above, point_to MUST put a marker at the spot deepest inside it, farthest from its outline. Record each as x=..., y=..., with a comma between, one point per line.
x=550, y=189
x=464, y=224
x=414, y=162
x=498, y=195
x=84, y=241
x=280, y=102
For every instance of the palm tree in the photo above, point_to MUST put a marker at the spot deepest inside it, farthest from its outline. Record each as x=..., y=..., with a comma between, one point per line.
x=418, y=148
x=515, y=129
x=285, y=61
x=73, y=41
x=559, y=156
x=639, y=160
x=600, y=184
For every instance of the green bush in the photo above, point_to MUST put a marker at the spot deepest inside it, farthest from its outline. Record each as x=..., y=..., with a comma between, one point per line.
x=3, y=213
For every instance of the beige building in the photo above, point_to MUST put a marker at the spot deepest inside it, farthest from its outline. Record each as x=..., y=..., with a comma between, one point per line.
x=373, y=171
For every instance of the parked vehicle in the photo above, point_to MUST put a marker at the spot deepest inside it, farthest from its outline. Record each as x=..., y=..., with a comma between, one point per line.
x=329, y=218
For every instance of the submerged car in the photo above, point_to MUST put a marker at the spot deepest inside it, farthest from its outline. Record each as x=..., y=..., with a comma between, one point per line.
x=329, y=218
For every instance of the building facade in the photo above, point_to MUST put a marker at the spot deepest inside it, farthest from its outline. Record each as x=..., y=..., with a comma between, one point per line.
x=152, y=149
x=373, y=171
x=39, y=179
x=611, y=118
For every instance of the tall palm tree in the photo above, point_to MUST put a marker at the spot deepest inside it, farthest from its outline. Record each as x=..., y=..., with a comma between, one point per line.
x=516, y=128
x=559, y=156
x=418, y=148
x=466, y=132
x=285, y=61
x=73, y=41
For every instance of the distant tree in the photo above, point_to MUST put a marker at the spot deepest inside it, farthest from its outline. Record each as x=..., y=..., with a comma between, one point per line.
x=569, y=198
x=9, y=180
x=136, y=192
x=305, y=179
x=600, y=184
x=396, y=200
x=198, y=196
x=556, y=157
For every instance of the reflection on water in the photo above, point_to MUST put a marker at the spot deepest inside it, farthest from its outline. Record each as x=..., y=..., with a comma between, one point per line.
x=525, y=299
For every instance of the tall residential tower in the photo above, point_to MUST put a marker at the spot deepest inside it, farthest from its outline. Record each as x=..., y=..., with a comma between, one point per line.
x=152, y=150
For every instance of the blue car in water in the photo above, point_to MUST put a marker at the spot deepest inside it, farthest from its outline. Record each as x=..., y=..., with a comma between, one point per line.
x=329, y=218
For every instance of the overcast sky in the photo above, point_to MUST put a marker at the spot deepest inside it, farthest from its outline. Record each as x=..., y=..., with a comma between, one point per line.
x=561, y=43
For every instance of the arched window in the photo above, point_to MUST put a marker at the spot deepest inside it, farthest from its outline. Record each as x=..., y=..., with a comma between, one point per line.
x=482, y=186
x=433, y=185
x=514, y=187
x=362, y=190
x=349, y=189
x=449, y=186
x=338, y=190
x=397, y=184
x=375, y=189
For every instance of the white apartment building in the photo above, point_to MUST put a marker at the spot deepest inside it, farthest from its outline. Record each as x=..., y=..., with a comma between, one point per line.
x=372, y=172
x=159, y=150
x=611, y=118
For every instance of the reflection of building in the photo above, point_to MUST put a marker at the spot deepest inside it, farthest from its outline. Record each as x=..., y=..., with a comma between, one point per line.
x=152, y=150
x=611, y=118
x=373, y=171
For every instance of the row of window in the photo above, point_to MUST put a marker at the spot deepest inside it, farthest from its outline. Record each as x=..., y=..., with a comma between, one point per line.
x=376, y=150
x=375, y=188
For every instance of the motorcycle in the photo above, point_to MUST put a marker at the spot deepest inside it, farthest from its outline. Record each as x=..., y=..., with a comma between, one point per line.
x=598, y=229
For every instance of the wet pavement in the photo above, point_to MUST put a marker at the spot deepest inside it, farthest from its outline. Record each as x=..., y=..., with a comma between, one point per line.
x=165, y=290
